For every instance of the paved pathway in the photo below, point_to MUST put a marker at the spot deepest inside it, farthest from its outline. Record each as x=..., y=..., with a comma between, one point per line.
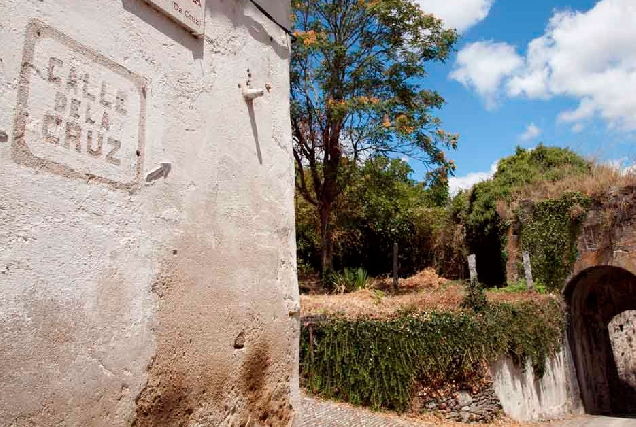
x=318, y=413
x=600, y=422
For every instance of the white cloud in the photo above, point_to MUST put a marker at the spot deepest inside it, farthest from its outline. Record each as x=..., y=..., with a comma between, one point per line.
x=458, y=14
x=458, y=183
x=616, y=163
x=483, y=65
x=531, y=132
x=578, y=128
x=623, y=165
x=584, y=111
x=629, y=169
x=588, y=56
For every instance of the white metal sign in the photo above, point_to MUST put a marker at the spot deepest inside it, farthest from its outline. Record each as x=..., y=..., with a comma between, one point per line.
x=189, y=13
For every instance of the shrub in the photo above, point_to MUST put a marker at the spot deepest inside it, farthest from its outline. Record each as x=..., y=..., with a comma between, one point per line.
x=377, y=363
x=352, y=280
x=487, y=215
x=475, y=297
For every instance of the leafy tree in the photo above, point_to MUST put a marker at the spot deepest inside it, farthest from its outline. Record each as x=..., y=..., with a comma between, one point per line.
x=437, y=194
x=356, y=91
x=382, y=205
x=484, y=225
x=524, y=167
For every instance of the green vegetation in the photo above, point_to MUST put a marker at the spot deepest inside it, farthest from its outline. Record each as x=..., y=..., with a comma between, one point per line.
x=475, y=297
x=350, y=280
x=376, y=363
x=520, y=287
x=379, y=363
x=487, y=213
x=549, y=231
x=356, y=92
x=383, y=205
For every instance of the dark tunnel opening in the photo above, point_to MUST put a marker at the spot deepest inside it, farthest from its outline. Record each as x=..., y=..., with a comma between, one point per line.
x=601, y=331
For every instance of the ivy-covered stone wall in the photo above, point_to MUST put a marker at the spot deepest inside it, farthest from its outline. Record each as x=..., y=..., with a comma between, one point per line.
x=380, y=363
x=549, y=231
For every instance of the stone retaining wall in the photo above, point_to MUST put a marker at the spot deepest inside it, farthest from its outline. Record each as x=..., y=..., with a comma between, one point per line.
x=525, y=397
x=467, y=406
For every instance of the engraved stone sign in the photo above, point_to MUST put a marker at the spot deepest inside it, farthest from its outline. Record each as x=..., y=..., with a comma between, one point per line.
x=79, y=114
x=189, y=13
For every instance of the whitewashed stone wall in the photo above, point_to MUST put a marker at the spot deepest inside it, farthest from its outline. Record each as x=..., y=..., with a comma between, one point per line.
x=526, y=397
x=147, y=254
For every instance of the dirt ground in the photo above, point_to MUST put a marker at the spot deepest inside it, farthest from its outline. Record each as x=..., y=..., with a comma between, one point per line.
x=425, y=291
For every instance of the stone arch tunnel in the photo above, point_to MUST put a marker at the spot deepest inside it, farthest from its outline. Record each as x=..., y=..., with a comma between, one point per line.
x=601, y=304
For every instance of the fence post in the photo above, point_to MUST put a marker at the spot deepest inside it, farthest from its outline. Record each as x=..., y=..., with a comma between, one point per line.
x=395, y=266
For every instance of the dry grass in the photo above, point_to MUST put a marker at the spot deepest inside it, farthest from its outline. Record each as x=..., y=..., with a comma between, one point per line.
x=425, y=279
x=604, y=179
x=372, y=304
x=425, y=291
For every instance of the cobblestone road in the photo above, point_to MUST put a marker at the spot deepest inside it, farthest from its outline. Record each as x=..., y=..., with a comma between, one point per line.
x=317, y=413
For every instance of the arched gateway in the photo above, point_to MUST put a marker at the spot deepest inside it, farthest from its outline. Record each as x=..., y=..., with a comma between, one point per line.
x=601, y=324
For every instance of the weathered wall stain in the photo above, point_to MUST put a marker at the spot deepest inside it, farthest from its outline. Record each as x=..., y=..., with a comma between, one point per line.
x=267, y=403
x=183, y=376
x=191, y=379
x=165, y=401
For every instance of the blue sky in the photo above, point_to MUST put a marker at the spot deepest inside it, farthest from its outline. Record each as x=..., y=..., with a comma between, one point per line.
x=558, y=72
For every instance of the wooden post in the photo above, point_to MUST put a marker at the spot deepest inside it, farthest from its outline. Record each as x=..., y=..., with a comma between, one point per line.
x=472, y=266
x=395, y=266
x=527, y=267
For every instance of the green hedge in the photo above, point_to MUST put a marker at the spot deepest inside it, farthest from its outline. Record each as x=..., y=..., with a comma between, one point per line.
x=376, y=363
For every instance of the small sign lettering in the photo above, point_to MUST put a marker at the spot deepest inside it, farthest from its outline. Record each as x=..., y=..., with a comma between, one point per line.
x=189, y=13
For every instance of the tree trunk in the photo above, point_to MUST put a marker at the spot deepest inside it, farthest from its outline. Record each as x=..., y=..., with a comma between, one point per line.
x=325, y=236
